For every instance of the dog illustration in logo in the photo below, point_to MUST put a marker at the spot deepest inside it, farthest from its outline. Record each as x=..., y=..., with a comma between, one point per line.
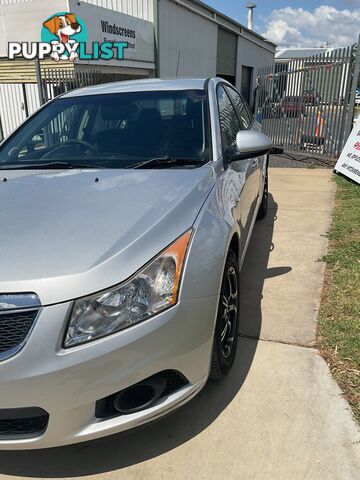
x=64, y=27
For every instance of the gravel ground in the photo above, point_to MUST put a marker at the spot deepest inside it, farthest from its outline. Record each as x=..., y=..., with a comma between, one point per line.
x=287, y=160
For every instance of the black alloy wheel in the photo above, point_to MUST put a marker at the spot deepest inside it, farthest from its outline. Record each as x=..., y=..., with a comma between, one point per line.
x=227, y=324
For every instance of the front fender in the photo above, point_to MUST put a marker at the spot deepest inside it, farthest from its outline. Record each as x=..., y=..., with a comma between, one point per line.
x=215, y=228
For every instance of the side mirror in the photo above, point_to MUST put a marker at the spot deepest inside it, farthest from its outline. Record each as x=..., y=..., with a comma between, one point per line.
x=249, y=144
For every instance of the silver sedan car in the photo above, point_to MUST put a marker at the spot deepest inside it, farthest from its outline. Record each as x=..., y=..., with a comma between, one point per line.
x=126, y=211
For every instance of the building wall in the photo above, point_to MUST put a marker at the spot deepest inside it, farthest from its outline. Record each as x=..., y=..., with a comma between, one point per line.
x=250, y=54
x=137, y=8
x=11, y=2
x=187, y=42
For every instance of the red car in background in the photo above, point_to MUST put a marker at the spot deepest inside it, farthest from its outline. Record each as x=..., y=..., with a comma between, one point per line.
x=293, y=106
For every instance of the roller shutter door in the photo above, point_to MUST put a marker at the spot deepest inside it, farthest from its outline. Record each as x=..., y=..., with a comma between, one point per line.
x=226, y=53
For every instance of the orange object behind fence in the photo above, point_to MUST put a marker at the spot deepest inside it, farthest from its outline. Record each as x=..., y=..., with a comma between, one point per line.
x=319, y=126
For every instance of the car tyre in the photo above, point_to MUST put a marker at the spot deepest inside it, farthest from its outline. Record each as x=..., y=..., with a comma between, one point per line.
x=227, y=323
x=265, y=199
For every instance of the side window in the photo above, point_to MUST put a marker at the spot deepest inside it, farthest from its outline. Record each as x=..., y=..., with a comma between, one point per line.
x=229, y=121
x=242, y=109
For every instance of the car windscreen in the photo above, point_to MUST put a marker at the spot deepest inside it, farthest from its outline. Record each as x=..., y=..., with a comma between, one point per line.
x=114, y=130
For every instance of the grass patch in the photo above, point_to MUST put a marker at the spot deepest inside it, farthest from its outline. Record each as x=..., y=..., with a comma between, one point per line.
x=339, y=318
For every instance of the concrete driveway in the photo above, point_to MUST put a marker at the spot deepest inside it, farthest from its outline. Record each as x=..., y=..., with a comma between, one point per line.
x=278, y=415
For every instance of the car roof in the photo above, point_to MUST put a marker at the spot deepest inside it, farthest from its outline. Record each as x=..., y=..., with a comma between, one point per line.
x=153, y=84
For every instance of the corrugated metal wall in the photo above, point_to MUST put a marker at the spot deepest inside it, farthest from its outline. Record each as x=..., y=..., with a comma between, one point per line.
x=251, y=55
x=32, y=98
x=12, y=105
x=10, y=2
x=187, y=42
x=11, y=99
x=137, y=8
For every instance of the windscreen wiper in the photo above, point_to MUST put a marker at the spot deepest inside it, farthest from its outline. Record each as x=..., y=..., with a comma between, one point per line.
x=167, y=162
x=49, y=166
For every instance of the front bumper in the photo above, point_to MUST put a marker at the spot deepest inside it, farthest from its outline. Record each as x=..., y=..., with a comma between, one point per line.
x=68, y=383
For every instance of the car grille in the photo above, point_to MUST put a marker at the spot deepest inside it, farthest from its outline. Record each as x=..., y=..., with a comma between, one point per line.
x=27, y=422
x=174, y=381
x=14, y=328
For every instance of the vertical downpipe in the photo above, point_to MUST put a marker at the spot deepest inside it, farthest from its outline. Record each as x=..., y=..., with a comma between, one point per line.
x=156, y=14
x=38, y=81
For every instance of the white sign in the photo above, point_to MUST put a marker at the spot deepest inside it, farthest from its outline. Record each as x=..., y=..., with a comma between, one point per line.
x=349, y=160
x=106, y=25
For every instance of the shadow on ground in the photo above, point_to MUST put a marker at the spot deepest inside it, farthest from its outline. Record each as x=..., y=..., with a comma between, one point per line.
x=123, y=450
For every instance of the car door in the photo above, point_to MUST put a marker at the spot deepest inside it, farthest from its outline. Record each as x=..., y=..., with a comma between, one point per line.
x=241, y=170
x=254, y=165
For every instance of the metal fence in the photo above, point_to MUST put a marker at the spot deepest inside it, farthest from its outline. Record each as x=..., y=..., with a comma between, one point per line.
x=57, y=81
x=307, y=105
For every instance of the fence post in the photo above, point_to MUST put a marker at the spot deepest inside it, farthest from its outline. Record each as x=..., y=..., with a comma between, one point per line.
x=25, y=103
x=1, y=131
x=39, y=82
x=354, y=83
x=256, y=102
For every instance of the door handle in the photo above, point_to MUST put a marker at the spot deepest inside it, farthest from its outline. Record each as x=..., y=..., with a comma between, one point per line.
x=255, y=163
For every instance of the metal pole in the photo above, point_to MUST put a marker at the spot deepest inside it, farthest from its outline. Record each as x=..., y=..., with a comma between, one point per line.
x=329, y=96
x=38, y=81
x=345, y=101
x=26, y=108
x=1, y=131
x=256, y=95
x=250, y=7
x=354, y=83
x=157, y=37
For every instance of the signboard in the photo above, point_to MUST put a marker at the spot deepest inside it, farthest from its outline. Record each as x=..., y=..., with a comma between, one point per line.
x=104, y=25
x=349, y=160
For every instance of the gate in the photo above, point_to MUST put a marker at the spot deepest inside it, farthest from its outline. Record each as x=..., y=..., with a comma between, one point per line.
x=307, y=105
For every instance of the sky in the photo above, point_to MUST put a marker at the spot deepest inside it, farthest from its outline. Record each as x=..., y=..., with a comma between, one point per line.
x=299, y=23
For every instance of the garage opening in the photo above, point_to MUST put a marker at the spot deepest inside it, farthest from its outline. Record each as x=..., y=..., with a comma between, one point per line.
x=226, y=55
x=246, y=82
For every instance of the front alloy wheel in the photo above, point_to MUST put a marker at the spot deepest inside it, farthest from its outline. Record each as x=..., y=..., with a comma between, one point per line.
x=226, y=329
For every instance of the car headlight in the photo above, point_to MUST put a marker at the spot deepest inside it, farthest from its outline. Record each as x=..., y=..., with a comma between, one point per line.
x=152, y=290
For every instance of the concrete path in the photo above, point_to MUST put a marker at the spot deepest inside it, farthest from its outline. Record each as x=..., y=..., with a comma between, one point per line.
x=282, y=264
x=278, y=415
